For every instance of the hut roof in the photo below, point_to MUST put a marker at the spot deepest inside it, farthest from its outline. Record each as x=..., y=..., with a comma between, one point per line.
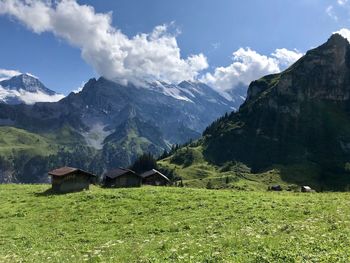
x=152, y=172
x=63, y=171
x=119, y=172
x=306, y=187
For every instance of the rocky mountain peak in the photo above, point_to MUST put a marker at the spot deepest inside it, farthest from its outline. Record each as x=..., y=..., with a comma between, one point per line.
x=26, y=82
x=299, y=117
x=322, y=73
x=337, y=40
x=27, y=89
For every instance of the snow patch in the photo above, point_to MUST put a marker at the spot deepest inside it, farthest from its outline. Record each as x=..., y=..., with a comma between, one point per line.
x=169, y=90
x=96, y=135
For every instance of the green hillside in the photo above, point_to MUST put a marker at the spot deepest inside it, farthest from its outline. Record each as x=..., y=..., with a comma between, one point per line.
x=13, y=140
x=16, y=141
x=190, y=164
x=172, y=225
x=29, y=156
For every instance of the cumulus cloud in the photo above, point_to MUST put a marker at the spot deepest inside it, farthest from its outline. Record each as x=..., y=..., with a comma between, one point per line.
x=111, y=53
x=285, y=57
x=344, y=32
x=145, y=57
x=7, y=73
x=249, y=65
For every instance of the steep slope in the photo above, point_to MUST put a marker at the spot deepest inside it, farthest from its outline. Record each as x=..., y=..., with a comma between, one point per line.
x=297, y=121
x=131, y=139
x=26, y=89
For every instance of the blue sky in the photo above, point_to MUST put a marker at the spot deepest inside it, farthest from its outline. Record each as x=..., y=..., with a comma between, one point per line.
x=215, y=29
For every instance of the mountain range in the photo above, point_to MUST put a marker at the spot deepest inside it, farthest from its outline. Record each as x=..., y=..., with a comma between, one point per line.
x=103, y=126
x=295, y=124
x=293, y=127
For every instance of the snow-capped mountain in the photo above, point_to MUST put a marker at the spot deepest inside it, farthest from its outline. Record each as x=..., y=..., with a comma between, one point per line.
x=110, y=124
x=26, y=89
x=194, y=91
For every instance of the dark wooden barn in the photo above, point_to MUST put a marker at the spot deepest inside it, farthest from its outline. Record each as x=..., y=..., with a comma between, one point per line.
x=122, y=177
x=68, y=179
x=154, y=177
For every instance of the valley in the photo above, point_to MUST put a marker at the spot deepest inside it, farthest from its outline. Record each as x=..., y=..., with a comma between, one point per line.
x=104, y=126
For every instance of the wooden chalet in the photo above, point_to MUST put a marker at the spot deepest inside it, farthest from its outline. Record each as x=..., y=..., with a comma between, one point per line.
x=122, y=177
x=154, y=177
x=69, y=179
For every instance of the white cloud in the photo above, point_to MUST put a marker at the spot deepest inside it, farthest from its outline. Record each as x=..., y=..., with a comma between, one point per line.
x=80, y=88
x=111, y=53
x=249, y=65
x=344, y=32
x=330, y=12
x=6, y=74
x=286, y=57
x=27, y=97
x=342, y=2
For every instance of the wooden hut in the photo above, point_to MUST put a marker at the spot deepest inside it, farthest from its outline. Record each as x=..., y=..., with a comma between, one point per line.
x=154, y=177
x=122, y=177
x=68, y=179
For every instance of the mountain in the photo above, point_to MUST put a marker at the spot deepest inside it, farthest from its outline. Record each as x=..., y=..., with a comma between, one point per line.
x=296, y=122
x=107, y=125
x=26, y=89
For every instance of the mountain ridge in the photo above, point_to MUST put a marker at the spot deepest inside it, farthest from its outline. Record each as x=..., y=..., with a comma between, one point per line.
x=109, y=124
x=297, y=120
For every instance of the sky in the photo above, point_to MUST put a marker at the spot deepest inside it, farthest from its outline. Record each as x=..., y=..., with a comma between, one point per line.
x=222, y=43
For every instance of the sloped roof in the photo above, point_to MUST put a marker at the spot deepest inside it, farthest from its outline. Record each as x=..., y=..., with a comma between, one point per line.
x=119, y=172
x=306, y=187
x=152, y=172
x=63, y=171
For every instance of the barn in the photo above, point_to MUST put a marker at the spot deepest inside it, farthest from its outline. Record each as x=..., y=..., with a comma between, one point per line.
x=154, y=177
x=69, y=179
x=122, y=177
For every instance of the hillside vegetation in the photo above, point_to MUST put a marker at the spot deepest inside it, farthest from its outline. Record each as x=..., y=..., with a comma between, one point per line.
x=190, y=164
x=14, y=140
x=294, y=126
x=172, y=225
x=33, y=155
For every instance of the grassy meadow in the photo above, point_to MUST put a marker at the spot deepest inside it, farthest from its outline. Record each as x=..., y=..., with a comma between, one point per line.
x=190, y=164
x=169, y=224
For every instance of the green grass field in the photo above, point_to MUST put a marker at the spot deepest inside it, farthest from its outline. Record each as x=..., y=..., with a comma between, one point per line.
x=151, y=224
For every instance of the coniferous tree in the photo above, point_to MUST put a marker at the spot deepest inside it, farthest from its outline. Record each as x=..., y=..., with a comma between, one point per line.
x=144, y=163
